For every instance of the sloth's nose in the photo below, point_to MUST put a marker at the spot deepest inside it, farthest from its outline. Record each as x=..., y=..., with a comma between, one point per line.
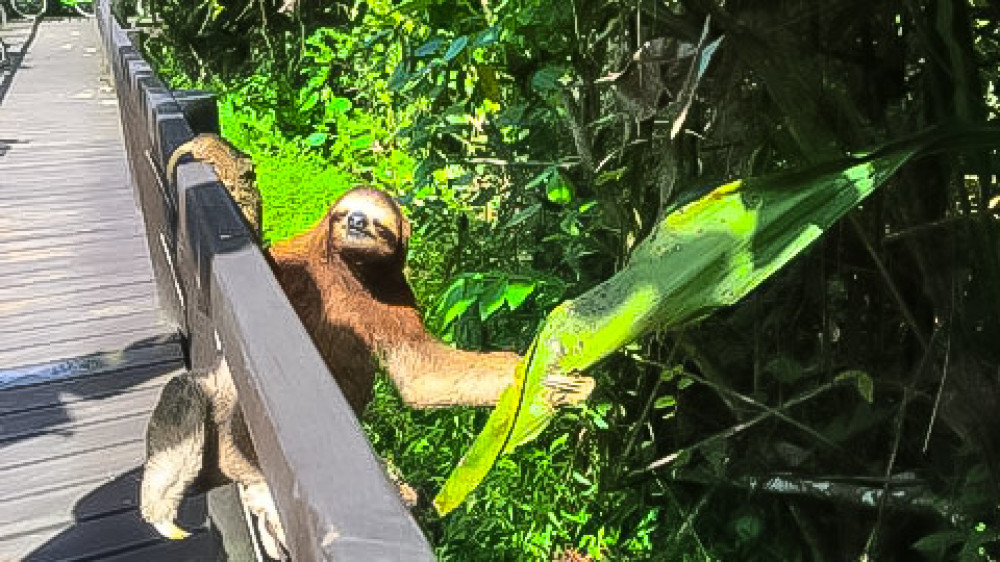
x=357, y=221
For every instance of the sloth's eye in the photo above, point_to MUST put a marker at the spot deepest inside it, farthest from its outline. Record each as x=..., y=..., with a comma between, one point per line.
x=384, y=231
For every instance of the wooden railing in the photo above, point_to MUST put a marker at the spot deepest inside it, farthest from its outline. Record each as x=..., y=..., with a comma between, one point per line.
x=332, y=494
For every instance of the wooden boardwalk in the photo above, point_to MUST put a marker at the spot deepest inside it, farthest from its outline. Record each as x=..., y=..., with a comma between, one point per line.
x=83, y=347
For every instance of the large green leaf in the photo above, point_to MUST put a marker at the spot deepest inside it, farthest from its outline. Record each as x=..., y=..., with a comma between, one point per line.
x=705, y=254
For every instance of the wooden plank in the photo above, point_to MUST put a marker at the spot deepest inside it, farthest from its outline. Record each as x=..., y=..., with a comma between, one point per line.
x=70, y=211
x=83, y=250
x=107, y=462
x=29, y=449
x=45, y=237
x=61, y=506
x=76, y=307
x=20, y=228
x=79, y=345
x=81, y=263
x=65, y=418
x=200, y=547
x=61, y=383
x=58, y=282
x=117, y=323
x=108, y=238
x=120, y=535
x=93, y=166
x=82, y=203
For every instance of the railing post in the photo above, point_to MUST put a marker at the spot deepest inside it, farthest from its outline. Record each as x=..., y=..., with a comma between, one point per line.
x=200, y=110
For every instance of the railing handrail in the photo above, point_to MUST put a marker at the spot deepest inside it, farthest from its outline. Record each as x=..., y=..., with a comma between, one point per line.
x=332, y=493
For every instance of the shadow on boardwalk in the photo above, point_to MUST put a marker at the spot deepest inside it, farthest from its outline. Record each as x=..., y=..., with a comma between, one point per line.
x=107, y=526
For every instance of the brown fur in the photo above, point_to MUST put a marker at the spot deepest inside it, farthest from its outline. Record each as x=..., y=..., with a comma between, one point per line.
x=352, y=297
x=234, y=169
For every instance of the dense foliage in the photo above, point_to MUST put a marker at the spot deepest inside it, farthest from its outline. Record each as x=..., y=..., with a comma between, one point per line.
x=847, y=408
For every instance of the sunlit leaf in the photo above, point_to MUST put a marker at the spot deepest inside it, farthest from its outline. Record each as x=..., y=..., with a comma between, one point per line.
x=310, y=101
x=558, y=189
x=610, y=175
x=340, y=105
x=492, y=298
x=316, y=139
x=517, y=292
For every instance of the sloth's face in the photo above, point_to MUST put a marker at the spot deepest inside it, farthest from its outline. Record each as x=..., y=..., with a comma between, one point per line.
x=367, y=227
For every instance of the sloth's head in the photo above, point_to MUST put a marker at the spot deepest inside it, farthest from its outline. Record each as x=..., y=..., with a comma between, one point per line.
x=367, y=228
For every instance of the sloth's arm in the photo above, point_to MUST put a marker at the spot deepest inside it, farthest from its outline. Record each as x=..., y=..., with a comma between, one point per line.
x=430, y=374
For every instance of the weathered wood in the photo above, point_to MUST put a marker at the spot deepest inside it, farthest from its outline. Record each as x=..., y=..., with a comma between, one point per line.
x=83, y=263
x=55, y=283
x=67, y=307
x=80, y=348
x=59, y=383
x=229, y=518
x=84, y=349
x=69, y=417
x=123, y=535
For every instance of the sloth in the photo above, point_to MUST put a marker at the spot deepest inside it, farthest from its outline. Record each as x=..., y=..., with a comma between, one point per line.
x=196, y=436
x=234, y=169
x=344, y=278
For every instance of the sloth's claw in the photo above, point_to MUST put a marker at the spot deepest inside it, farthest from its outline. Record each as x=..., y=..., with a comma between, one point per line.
x=170, y=530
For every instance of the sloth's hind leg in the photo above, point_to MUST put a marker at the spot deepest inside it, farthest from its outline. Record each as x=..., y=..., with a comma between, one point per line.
x=175, y=448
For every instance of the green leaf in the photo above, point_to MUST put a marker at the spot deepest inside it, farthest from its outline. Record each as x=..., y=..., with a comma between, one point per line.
x=400, y=76
x=492, y=298
x=559, y=190
x=667, y=401
x=340, y=105
x=861, y=380
x=517, y=292
x=454, y=293
x=543, y=176
x=610, y=175
x=487, y=37
x=317, y=139
x=456, y=47
x=546, y=80
x=937, y=544
x=309, y=102
x=429, y=47
x=784, y=368
x=523, y=215
x=456, y=310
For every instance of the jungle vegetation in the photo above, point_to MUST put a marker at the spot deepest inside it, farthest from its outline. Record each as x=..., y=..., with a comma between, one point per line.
x=847, y=409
